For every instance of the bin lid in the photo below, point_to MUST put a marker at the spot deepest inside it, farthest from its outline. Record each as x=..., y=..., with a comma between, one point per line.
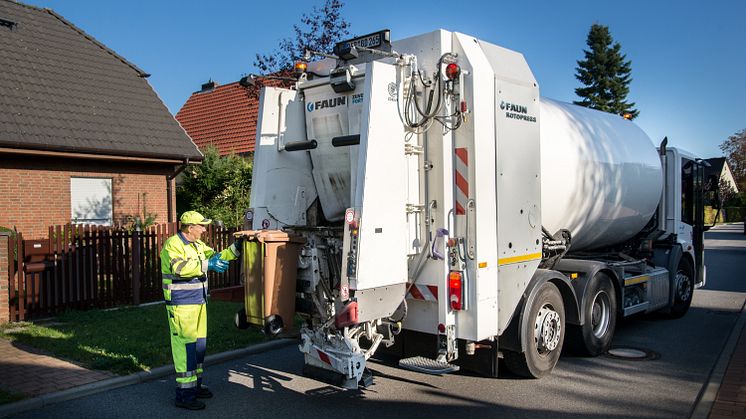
x=270, y=236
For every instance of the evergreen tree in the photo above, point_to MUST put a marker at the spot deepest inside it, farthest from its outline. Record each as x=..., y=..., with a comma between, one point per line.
x=318, y=31
x=605, y=73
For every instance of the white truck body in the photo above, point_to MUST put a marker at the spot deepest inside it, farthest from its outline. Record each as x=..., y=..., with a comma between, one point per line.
x=454, y=217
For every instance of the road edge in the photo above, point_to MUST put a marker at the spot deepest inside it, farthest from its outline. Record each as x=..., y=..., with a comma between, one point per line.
x=135, y=378
x=708, y=392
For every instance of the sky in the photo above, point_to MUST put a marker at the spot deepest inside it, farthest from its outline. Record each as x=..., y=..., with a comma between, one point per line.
x=688, y=57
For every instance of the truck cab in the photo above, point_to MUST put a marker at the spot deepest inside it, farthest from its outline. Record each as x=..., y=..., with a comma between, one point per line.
x=684, y=208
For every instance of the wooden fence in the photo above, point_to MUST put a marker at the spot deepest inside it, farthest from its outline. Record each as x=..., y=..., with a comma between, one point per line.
x=83, y=266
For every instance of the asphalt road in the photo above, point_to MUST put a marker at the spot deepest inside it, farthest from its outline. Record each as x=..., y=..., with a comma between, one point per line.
x=271, y=384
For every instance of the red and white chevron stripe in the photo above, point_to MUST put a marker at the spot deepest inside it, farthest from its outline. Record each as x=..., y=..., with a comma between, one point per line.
x=424, y=293
x=462, y=184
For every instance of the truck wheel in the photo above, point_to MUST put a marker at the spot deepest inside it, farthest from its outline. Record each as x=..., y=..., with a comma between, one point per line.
x=239, y=319
x=683, y=289
x=600, y=311
x=543, y=337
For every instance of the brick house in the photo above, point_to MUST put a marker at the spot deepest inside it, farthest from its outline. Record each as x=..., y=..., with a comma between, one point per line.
x=83, y=136
x=225, y=116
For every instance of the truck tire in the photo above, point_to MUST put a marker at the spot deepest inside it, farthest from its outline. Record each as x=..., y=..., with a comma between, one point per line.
x=543, y=336
x=594, y=337
x=239, y=319
x=683, y=289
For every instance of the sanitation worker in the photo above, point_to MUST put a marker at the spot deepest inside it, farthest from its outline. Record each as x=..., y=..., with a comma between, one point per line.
x=185, y=260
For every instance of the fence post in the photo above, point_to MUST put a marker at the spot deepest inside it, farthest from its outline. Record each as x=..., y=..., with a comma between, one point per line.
x=136, y=257
x=6, y=258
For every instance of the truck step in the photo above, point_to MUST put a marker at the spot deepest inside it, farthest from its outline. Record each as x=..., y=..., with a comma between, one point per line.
x=427, y=365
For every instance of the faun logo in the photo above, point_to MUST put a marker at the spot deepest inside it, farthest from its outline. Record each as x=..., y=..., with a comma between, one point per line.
x=514, y=111
x=513, y=107
x=327, y=103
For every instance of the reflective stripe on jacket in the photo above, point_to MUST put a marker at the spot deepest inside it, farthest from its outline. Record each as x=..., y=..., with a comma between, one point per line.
x=184, y=269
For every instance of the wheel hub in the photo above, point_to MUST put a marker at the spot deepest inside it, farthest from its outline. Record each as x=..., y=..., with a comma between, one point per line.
x=547, y=329
x=600, y=314
x=683, y=286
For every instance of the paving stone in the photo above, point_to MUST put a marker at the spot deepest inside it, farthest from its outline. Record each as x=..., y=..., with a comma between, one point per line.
x=31, y=372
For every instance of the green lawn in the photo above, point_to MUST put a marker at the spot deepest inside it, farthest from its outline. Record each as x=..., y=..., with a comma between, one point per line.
x=126, y=340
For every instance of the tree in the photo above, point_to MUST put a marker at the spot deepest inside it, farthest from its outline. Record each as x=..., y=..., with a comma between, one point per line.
x=605, y=75
x=219, y=188
x=734, y=149
x=318, y=31
x=718, y=194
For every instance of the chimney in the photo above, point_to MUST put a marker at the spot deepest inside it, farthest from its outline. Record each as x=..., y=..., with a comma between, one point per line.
x=206, y=87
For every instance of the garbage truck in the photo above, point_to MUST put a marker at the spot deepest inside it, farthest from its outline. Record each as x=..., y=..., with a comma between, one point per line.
x=431, y=204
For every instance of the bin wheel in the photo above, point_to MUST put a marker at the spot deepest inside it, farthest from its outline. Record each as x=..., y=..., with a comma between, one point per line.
x=273, y=325
x=239, y=319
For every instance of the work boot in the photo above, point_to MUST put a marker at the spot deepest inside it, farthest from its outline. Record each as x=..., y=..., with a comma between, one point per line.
x=204, y=393
x=193, y=404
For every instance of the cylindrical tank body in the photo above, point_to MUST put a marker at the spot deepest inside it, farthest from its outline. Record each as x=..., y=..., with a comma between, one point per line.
x=601, y=176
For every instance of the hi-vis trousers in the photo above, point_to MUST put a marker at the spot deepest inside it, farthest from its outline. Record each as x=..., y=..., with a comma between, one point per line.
x=188, y=326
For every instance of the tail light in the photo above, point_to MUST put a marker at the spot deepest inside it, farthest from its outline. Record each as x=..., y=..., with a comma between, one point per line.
x=453, y=71
x=455, y=290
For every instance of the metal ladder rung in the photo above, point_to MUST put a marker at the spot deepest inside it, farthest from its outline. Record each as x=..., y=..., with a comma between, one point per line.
x=427, y=365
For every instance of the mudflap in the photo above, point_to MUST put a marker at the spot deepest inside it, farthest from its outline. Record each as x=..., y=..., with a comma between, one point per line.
x=410, y=344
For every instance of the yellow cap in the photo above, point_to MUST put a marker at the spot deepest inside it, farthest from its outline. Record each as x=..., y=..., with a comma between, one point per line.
x=193, y=217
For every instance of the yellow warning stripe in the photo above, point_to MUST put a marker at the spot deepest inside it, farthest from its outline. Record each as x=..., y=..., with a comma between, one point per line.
x=516, y=259
x=636, y=280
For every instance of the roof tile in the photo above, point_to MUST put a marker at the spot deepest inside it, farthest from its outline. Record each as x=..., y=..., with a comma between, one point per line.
x=225, y=117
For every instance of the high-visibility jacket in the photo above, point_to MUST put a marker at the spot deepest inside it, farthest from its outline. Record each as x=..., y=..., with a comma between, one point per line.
x=184, y=269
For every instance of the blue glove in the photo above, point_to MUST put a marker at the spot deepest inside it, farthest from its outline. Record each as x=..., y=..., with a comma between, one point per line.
x=216, y=264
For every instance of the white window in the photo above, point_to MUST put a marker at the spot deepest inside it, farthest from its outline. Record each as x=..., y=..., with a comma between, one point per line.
x=90, y=200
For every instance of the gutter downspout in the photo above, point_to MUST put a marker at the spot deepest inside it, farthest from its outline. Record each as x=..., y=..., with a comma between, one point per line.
x=170, y=191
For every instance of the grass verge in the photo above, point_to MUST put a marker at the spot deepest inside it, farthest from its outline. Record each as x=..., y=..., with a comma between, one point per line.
x=6, y=397
x=126, y=340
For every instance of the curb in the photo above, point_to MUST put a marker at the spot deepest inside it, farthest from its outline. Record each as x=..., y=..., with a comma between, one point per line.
x=709, y=391
x=135, y=378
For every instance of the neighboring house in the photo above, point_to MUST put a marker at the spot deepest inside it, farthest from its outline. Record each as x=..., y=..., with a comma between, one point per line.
x=719, y=169
x=225, y=116
x=83, y=136
x=222, y=116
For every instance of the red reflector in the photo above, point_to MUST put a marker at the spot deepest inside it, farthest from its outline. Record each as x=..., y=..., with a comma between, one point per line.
x=324, y=357
x=455, y=290
x=347, y=317
x=350, y=215
x=463, y=106
x=441, y=328
x=453, y=71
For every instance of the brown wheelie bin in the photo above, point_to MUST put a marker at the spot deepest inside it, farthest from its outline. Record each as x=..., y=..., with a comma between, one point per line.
x=269, y=271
